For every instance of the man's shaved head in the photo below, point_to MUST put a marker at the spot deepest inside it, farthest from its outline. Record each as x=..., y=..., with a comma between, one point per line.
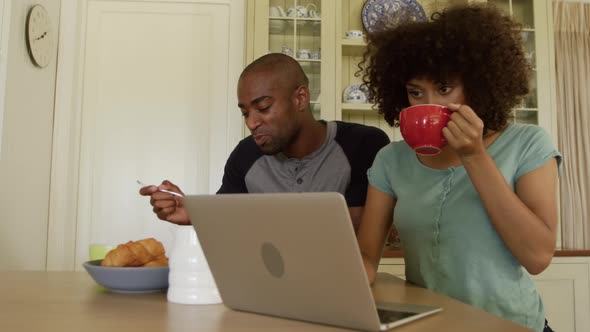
x=284, y=69
x=273, y=96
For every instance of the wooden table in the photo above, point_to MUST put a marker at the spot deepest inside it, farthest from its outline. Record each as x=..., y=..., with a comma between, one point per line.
x=71, y=301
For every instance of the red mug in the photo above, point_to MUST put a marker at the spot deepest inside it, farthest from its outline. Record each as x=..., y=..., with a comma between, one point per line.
x=421, y=127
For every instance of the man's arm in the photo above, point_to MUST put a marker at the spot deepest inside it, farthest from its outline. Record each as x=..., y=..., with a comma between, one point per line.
x=356, y=213
x=360, y=144
x=237, y=165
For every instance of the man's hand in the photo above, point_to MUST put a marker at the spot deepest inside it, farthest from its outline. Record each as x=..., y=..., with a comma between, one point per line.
x=167, y=206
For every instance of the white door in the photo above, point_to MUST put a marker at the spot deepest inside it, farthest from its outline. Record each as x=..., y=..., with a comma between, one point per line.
x=159, y=102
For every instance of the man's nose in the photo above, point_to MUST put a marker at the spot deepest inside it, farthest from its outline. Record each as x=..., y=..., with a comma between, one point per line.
x=253, y=121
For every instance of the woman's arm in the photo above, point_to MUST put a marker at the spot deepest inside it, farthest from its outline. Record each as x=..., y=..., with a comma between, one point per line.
x=526, y=220
x=376, y=222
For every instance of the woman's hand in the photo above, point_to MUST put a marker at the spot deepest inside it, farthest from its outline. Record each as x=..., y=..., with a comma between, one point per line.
x=464, y=132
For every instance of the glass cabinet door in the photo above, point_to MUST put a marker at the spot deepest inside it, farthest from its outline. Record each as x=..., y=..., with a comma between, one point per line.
x=533, y=17
x=523, y=12
x=295, y=29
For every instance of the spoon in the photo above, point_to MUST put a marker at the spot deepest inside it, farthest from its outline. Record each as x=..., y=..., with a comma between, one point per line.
x=162, y=190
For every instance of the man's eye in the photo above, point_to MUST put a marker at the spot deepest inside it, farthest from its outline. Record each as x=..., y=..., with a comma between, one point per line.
x=264, y=109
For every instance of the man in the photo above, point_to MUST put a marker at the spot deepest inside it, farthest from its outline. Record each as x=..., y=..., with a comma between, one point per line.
x=288, y=151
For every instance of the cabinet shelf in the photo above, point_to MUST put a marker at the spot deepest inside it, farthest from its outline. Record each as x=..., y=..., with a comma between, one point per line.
x=303, y=29
x=308, y=60
x=353, y=47
x=354, y=42
x=282, y=18
x=357, y=107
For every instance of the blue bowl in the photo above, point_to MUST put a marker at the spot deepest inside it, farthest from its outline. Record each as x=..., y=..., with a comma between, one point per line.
x=129, y=279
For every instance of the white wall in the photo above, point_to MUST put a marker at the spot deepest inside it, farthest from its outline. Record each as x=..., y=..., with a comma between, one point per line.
x=38, y=201
x=26, y=148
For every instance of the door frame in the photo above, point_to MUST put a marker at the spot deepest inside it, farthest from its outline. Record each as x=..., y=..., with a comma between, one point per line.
x=65, y=160
x=5, y=18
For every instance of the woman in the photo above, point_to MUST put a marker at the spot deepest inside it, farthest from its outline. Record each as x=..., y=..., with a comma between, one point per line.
x=471, y=217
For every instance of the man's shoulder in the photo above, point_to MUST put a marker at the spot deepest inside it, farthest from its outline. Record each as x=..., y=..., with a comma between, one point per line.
x=348, y=131
x=246, y=150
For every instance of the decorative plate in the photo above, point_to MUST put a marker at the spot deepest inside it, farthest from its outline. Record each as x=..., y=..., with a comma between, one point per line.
x=352, y=89
x=381, y=14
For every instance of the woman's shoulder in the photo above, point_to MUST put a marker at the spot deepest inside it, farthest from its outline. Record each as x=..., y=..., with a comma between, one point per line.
x=526, y=130
x=395, y=150
x=530, y=146
x=525, y=135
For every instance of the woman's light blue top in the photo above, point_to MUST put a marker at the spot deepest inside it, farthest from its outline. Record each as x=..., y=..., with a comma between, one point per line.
x=450, y=245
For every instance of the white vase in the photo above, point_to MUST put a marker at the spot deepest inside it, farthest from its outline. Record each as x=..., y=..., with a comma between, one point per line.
x=190, y=280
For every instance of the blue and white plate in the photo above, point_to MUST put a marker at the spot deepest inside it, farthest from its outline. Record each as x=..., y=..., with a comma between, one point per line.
x=381, y=14
x=356, y=93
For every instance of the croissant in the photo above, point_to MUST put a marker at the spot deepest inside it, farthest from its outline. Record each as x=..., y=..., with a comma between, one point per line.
x=159, y=261
x=146, y=252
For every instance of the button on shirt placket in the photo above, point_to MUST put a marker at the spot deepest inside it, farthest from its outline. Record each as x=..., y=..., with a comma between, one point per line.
x=448, y=183
x=296, y=173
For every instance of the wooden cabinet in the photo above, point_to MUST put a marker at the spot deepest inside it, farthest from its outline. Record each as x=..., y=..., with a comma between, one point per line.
x=535, y=18
x=305, y=30
x=537, y=33
x=276, y=26
x=564, y=287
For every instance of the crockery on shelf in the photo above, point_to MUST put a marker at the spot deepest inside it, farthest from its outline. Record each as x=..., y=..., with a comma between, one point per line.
x=303, y=53
x=355, y=93
x=354, y=34
x=287, y=50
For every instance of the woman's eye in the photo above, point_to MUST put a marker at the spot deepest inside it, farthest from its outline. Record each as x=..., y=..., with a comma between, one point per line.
x=414, y=93
x=445, y=90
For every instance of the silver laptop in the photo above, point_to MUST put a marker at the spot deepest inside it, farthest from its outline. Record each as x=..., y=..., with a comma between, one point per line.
x=291, y=255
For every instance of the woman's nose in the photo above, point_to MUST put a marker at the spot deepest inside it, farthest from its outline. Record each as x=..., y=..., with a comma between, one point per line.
x=432, y=98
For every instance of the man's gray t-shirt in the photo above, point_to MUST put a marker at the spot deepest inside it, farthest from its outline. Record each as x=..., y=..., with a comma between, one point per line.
x=339, y=165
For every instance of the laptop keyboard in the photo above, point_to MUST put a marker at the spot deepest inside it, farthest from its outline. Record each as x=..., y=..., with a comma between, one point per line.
x=388, y=316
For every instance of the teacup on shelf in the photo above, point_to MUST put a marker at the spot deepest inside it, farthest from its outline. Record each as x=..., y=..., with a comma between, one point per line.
x=303, y=54
x=312, y=11
x=316, y=55
x=354, y=34
x=287, y=50
x=300, y=10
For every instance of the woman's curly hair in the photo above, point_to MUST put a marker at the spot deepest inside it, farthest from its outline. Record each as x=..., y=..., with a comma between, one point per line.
x=477, y=44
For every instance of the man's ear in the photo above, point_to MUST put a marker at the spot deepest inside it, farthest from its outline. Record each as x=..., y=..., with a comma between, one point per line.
x=302, y=98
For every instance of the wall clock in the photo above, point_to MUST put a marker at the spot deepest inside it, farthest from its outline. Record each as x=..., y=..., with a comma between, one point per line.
x=39, y=36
